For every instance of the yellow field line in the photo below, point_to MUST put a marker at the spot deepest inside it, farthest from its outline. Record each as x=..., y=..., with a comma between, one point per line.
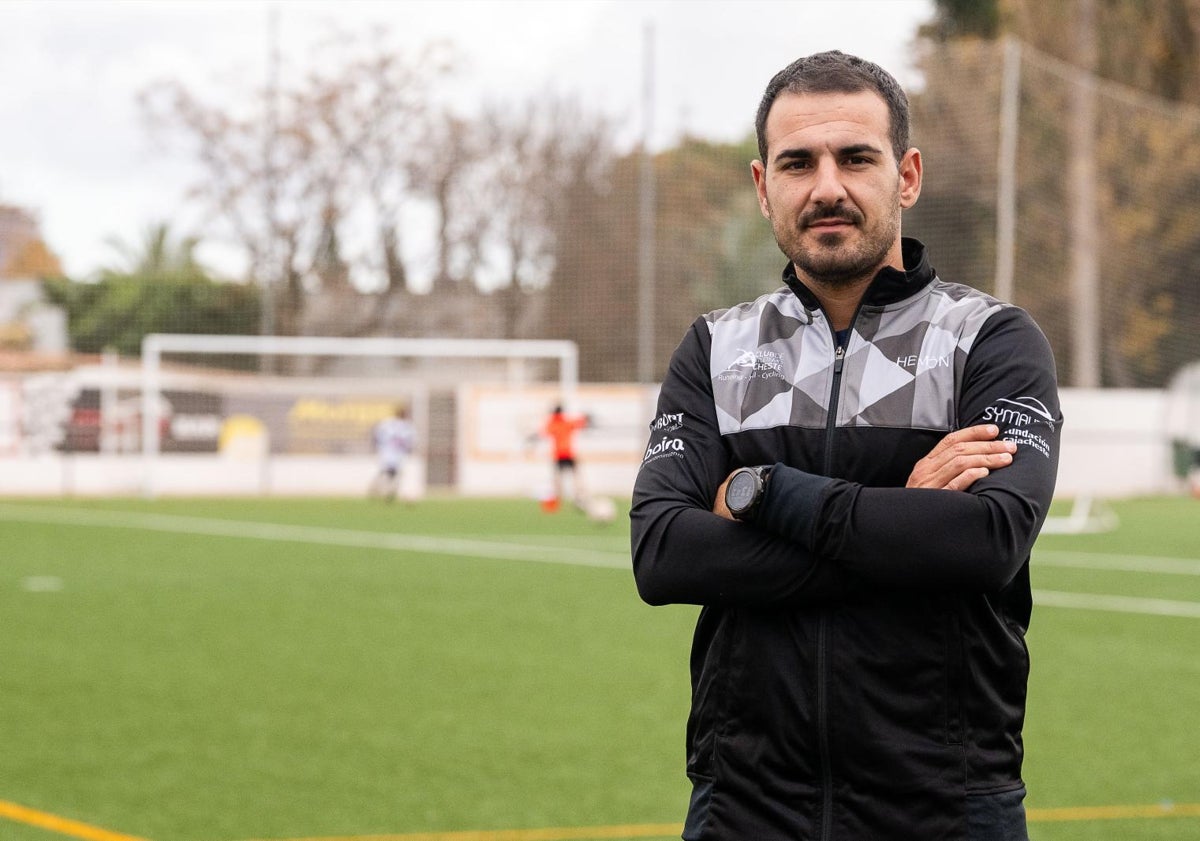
x=1114, y=813
x=594, y=833
x=63, y=826
x=571, y=833
x=666, y=830
x=86, y=832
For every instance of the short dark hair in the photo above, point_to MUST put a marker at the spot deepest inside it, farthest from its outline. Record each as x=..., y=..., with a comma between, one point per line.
x=837, y=72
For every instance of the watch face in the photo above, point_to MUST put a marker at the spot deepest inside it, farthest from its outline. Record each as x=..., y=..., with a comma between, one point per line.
x=740, y=493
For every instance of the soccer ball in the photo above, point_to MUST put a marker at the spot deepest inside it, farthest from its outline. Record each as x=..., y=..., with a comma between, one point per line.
x=601, y=509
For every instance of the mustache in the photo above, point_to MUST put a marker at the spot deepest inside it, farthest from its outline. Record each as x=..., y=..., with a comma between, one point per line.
x=841, y=213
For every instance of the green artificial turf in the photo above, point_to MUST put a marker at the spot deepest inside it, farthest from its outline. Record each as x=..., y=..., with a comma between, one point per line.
x=172, y=671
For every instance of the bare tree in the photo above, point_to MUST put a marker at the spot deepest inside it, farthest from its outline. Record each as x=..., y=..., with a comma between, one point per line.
x=288, y=170
x=538, y=152
x=316, y=179
x=444, y=169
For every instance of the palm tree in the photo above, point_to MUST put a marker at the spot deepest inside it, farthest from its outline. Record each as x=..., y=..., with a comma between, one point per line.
x=158, y=256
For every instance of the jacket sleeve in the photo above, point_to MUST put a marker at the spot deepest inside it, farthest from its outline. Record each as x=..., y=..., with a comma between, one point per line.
x=684, y=553
x=917, y=538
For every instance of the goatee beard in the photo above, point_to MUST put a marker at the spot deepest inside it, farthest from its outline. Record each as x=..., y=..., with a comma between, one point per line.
x=835, y=273
x=837, y=264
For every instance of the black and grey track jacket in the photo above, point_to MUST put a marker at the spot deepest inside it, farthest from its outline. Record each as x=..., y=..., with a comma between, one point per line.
x=859, y=666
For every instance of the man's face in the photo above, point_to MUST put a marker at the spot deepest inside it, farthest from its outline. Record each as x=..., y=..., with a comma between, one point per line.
x=831, y=186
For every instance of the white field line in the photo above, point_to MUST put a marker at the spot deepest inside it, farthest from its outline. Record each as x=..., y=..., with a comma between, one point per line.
x=1117, y=563
x=425, y=544
x=178, y=524
x=1116, y=604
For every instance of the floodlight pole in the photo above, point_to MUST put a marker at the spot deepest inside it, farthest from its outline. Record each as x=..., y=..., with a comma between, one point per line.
x=267, y=282
x=1006, y=190
x=646, y=224
x=1084, y=252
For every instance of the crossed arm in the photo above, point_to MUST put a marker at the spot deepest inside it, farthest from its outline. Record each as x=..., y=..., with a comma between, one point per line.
x=685, y=555
x=957, y=462
x=816, y=538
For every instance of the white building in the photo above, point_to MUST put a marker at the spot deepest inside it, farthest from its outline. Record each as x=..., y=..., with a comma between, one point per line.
x=27, y=320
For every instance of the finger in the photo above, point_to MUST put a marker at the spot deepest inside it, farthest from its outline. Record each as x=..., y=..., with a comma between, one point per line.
x=966, y=464
x=972, y=449
x=980, y=432
x=967, y=478
x=998, y=458
x=957, y=453
x=945, y=475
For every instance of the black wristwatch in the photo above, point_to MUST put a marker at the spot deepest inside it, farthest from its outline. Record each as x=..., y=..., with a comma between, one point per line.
x=745, y=490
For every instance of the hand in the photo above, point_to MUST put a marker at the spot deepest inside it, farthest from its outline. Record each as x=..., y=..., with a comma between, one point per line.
x=962, y=458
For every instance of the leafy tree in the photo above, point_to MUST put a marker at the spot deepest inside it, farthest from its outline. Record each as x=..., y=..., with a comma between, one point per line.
x=963, y=18
x=159, y=287
x=1146, y=75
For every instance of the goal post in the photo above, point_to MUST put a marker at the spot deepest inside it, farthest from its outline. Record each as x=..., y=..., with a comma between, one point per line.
x=1088, y=515
x=512, y=354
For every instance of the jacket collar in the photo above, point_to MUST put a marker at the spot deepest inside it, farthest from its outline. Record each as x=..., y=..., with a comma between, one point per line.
x=890, y=285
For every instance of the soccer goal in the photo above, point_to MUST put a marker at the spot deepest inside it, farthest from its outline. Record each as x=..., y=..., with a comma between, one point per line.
x=294, y=414
x=1183, y=425
x=1088, y=515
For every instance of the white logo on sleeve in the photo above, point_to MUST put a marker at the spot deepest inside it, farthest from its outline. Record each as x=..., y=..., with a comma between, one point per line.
x=1016, y=419
x=667, y=422
x=664, y=448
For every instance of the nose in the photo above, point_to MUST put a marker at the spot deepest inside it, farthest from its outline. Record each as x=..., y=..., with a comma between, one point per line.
x=827, y=184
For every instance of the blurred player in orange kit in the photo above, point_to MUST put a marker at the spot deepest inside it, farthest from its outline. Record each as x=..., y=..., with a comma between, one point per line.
x=561, y=428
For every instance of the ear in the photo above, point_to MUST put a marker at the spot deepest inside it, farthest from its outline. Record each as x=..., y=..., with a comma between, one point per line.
x=910, y=177
x=759, y=172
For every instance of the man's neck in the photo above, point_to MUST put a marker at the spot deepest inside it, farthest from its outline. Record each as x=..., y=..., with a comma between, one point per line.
x=839, y=302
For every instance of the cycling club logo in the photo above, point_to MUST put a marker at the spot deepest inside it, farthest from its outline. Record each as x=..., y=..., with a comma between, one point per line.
x=754, y=364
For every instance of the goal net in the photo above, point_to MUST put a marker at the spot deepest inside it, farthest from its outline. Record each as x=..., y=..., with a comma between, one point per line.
x=293, y=415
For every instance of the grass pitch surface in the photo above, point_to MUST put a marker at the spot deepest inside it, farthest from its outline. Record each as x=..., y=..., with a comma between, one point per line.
x=224, y=670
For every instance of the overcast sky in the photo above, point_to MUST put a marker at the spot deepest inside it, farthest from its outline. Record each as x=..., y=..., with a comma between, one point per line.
x=74, y=150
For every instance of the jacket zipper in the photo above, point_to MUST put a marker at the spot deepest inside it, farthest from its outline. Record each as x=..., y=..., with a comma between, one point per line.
x=823, y=730
x=839, y=356
x=823, y=667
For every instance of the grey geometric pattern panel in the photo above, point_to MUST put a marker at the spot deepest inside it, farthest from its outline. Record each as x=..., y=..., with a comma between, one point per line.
x=772, y=361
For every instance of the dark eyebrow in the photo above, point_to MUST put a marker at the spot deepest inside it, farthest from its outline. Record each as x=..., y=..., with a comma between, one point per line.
x=794, y=155
x=858, y=149
x=844, y=152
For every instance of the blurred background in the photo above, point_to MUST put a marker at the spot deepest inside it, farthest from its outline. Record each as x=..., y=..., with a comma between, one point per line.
x=236, y=236
x=531, y=173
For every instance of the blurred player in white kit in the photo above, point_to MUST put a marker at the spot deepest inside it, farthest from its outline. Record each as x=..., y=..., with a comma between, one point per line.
x=394, y=439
